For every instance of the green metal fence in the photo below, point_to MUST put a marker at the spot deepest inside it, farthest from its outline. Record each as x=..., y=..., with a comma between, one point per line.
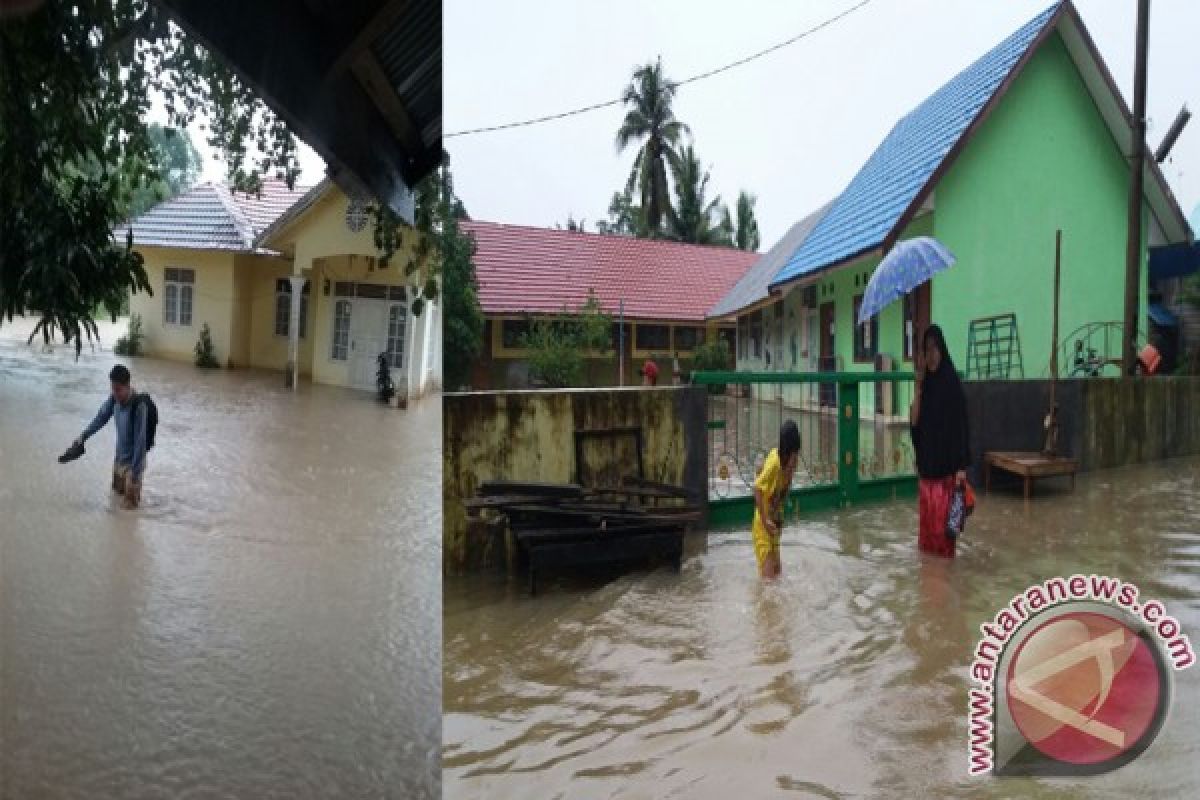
x=855, y=444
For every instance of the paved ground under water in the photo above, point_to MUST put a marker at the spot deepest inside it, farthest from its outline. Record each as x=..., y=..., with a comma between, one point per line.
x=848, y=678
x=267, y=626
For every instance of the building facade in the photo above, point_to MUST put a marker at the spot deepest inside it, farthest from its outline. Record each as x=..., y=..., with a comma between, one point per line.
x=1029, y=140
x=283, y=278
x=656, y=292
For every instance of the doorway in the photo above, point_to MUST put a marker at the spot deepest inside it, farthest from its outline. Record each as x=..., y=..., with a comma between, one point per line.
x=917, y=304
x=372, y=320
x=368, y=336
x=827, y=360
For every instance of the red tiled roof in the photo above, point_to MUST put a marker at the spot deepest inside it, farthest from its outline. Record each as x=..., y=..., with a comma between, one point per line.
x=525, y=270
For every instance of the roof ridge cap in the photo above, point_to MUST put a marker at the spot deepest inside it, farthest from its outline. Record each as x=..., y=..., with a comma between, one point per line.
x=609, y=236
x=241, y=222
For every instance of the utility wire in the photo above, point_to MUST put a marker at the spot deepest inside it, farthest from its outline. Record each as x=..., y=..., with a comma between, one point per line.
x=693, y=79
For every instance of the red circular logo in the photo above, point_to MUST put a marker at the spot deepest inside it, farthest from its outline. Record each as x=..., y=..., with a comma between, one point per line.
x=1084, y=688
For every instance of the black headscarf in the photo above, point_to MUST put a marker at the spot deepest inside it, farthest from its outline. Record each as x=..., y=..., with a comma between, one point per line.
x=941, y=437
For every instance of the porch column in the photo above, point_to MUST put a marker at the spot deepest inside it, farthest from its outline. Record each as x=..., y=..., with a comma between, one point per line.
x=293, y=366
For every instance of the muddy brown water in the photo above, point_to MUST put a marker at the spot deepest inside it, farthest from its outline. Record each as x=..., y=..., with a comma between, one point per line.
x=848, y=678
x=268, y=625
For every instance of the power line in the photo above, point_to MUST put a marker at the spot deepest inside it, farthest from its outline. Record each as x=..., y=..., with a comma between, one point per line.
x=693, y=79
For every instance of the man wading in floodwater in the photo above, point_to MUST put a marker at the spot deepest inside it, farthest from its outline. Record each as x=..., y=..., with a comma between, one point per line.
x=135, y=418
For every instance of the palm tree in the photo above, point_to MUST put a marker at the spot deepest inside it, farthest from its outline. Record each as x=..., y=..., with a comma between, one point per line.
x=650, y=121
x=695, y=219
x=745, y=234
x=624, y=216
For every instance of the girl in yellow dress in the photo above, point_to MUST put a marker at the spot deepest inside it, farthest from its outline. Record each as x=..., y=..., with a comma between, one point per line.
x=770, y=491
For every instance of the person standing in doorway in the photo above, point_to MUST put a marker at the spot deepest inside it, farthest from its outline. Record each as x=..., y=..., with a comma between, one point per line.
x=133, y=420
x=940, y=436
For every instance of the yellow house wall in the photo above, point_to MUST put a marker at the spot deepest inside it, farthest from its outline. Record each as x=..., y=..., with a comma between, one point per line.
x=213, y=300
x=324, y=249
x=265, y=349
x=321, y=231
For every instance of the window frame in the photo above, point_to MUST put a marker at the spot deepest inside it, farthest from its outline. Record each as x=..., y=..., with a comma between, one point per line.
x=283, y=291
x=756, y=335
x=864, y=353
x=908, y=325
x=652, y=349
x=344, y=344
x=179, y=283
x=701, y=334
x=396, y=353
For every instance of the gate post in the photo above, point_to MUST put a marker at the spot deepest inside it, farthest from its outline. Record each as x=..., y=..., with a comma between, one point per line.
x=847, y=415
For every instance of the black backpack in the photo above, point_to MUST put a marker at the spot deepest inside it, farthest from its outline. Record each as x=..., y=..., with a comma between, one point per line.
x=151, y=417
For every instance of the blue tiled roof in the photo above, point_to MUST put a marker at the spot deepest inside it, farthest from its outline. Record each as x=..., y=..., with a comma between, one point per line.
x=871, y=205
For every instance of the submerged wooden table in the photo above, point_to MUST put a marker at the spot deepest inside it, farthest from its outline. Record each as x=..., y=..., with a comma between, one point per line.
x=1028, y=465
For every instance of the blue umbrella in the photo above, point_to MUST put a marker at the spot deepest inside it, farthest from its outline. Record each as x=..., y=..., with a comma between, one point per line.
x=909, y=264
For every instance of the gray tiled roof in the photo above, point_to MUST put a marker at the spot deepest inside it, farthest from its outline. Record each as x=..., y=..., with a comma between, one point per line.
x=209, y=216
x=752, y=287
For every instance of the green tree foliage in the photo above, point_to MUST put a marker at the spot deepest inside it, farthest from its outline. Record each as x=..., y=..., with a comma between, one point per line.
x=624, y=216
x=713, y=356
x=651, y=123
x=745, y=231
x=559, y=347
x=131, y=343
x=694, y=219
x=644, y=208
x=76, y=82
x=439, y=212
x=572, y=224
x=178, y=168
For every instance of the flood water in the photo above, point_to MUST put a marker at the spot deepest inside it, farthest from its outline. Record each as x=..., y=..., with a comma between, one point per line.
x=266, y=626
x=848, y=678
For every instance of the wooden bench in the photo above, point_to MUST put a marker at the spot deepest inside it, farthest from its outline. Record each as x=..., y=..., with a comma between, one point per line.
x=544, y=548
x=1028, y=465
x=569, y=525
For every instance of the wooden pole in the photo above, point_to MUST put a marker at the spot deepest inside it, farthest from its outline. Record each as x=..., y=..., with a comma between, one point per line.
x=1133, y=242
x=1054, y=329
x=1050, y=443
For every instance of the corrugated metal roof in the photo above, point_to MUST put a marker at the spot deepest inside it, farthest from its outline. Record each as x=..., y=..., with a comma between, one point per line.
x=754, y=286
x=410, y=53
x=870, y=206
x=524, y=270
x=209, y=216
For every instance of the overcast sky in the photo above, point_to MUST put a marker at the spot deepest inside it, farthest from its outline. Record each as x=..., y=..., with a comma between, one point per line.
x=792, y=127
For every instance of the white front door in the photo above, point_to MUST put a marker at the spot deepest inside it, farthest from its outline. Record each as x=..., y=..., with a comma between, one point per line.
x=368, y=338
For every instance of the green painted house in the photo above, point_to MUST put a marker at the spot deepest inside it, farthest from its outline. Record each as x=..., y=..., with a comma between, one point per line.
x=1031, y=138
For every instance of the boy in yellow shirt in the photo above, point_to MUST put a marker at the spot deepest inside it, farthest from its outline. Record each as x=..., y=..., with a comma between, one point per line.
x=770, y=490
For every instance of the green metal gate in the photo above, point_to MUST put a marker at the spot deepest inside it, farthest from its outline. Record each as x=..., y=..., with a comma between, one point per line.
x=856, y=451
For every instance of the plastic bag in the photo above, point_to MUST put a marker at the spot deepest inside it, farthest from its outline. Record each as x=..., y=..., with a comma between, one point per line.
x=962, y=503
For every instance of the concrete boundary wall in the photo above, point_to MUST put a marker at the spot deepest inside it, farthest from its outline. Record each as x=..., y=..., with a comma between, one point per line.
x=1104, y=422
x=530, y=436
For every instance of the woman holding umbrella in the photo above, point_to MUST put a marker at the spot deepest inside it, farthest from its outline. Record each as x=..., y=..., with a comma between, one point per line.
x=940, y=438
x=939, y=410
